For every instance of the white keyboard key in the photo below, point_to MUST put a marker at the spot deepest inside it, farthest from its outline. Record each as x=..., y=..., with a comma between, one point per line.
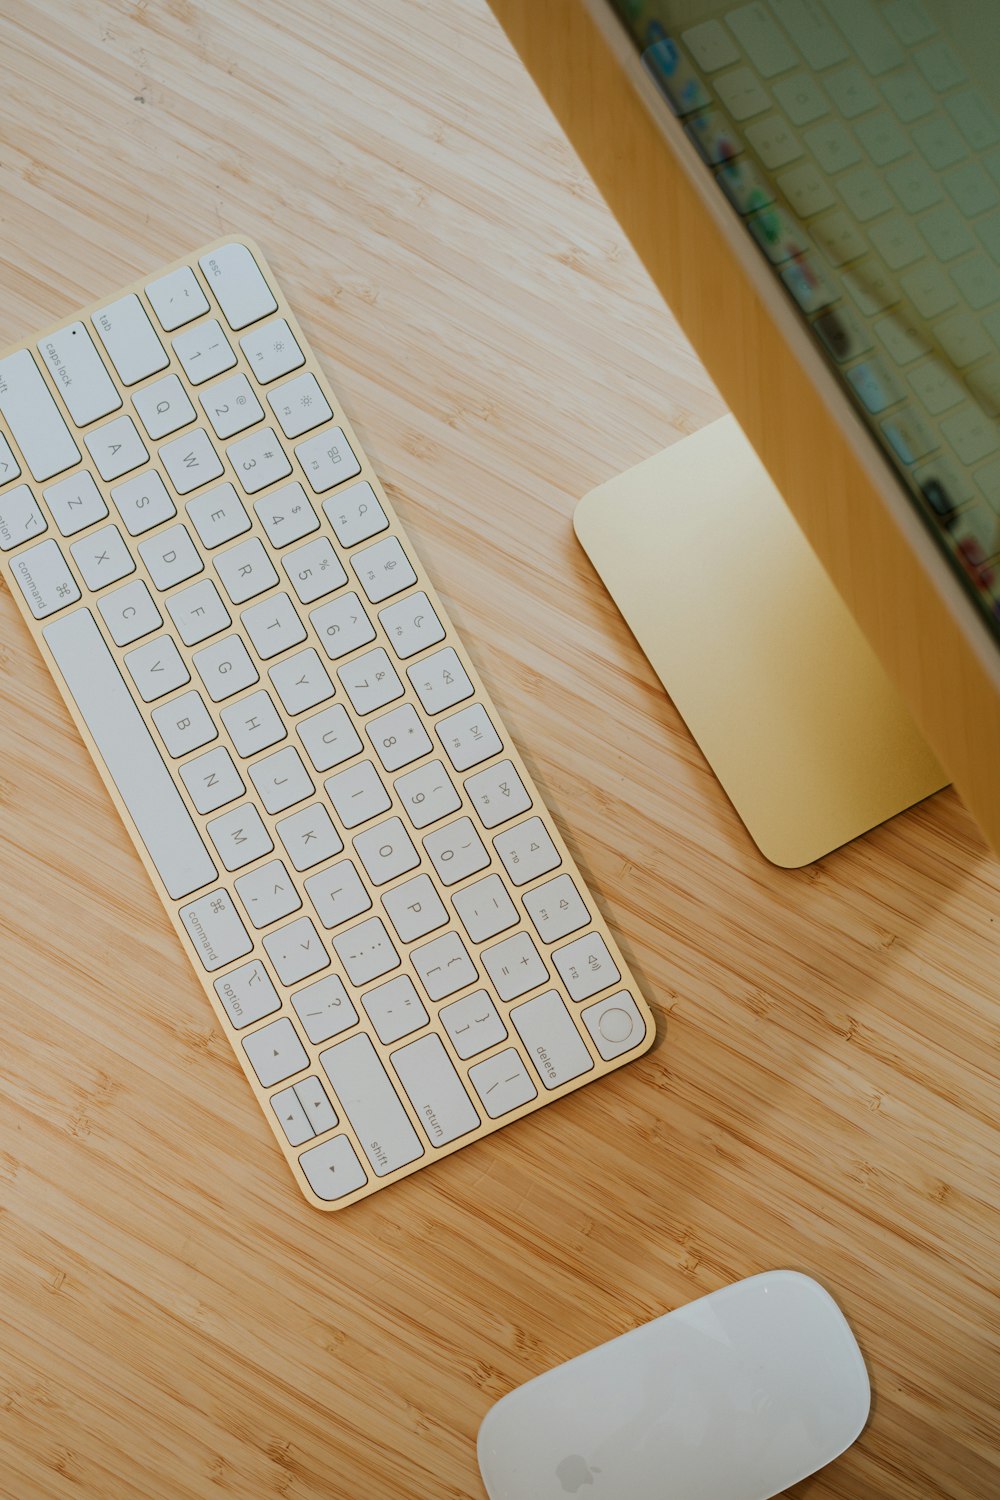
x=324, y=1009
x=615, y=1025
x=427, y=794
x=76, y=502
x=929, y=289
x=743, y=94
x=281, y=779
x=940, y=67
x=485, y=908
x=286, y=515
x=299, y=405
x=386, y=851
x=247, y=994
x=939, y=143
x=820, y=43
x=964, y=340
x=444, y=966
x=268, y=894
x=865, y=194
x=130, y=339
x=526, y=851
x=355, y=514
x=971, y=433
x=102, y=557
x=240, y=289
x=502, y=1083
x=435, y=1090
x=342, y=626
x=218, y=516
x=116, y=448
x=807, y=190
x=908, y=95
x=171, y=557
x=914, y=186
x=851, y=92
x=585, y=966
x=456, y=851
x=309, y=836
x=869, y=37
x=177, y=298
x=774, y=141
x=276, y=1052
x=370, y=681
x=314, y=570
x=198, y=612
x=762, y=40
x=383, y=569
x=273, y=626
x=163, y=407
x=415, y=908
x=332, y=1169
x=302, y=682
x=338, y=894
x=976, y=121
x=882, y=138
x=497, y=794
x=44, y=578
x=245, y=570
x=253, y=723
x=185, y=724
x=395, y=1009
x=937, y=387
x=129, y=613
x=258, y=460
x=79, y=375
x=20, y=518
x=215, y=929
x=271, y=351
x=440, y=681
x=411, y=624
x=204, y=351
x=143, y=502
x=896, y=241
x=371, y=1104
x=468, y=737
x=225, y=668
x=314, y=1100
x=292, y=1117
x=979, y=282
x=357, y=794
x=556, y=909
x=398, y=737
x=231, y=406
x=156, y=668
x=9, y=466
x=126, y=746
x=296, y=951
x=239, y=836
x=366, y=951
x=34, y=419
x=833, y=146
x=329, y=737
x=515, y=966
x=711, y=46
x=191, y=461
x=801, y=98
x=551, y=1040
x=972, y=189
x=327, y=459
x=473, y=1024
x=910, y=21
x=212, y=779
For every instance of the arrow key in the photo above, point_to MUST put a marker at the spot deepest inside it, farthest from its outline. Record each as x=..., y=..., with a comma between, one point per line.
x=332, y=1168
x=292, y=1117
x=276, y=1052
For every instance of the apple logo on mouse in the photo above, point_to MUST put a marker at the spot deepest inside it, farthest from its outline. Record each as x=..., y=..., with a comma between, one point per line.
x=574, y=1472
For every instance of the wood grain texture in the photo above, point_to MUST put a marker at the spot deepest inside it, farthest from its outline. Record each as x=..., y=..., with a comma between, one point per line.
x=823, y=1095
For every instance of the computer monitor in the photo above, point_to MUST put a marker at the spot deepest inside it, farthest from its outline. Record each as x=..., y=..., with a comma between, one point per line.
x=815, y=187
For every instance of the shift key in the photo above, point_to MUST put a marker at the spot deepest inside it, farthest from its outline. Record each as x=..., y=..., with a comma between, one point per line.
x=372, y=1105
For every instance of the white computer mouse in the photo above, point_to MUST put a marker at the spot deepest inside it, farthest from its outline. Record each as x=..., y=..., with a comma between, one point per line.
x=735, y=1397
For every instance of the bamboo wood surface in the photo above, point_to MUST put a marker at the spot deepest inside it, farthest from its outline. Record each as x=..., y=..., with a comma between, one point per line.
x=175, y=1321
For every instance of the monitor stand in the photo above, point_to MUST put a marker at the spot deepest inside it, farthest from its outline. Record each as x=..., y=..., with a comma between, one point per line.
x=755, y=647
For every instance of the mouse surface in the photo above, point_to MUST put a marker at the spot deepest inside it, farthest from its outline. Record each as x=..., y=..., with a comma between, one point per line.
x=735, y=1397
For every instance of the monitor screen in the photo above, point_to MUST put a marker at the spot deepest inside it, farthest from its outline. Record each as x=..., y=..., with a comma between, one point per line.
x=859, y=142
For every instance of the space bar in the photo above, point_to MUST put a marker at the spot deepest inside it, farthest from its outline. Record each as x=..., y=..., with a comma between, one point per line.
x=130, y=754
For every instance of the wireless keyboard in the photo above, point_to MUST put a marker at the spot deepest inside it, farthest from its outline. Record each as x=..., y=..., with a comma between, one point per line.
x=385, y=918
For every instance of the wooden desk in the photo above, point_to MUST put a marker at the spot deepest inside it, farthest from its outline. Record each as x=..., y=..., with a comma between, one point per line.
x=175, y=1322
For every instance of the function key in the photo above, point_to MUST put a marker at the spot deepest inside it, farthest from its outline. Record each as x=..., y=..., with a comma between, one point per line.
x=327, y=459
x=271, y=351
x=527, y=851
x=439, y=681
x=383, y=569
x=411, y=624
x=556, y=909
x=299, y=406
x=498, y=793
x=130, y=339
x=355, y=514
x=586, y=966
x=177, y=298
x=239, y=287
x=163, y=407
x=468, y=737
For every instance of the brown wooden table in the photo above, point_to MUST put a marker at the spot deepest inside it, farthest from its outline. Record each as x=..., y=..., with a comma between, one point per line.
x=175, y=1322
